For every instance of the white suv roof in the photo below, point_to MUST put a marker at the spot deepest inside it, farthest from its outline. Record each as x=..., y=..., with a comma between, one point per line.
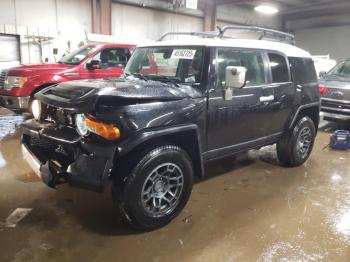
x=287, y=49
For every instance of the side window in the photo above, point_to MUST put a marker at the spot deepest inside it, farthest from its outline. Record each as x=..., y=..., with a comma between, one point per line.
x=303, y=70
x=113, y=57
x=279, y=68
x=226, y=57
x=251, y=59
x=254, y=63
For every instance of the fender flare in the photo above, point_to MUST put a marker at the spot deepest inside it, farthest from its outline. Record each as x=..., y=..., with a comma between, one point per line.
x=315, y=104
x=142, y=136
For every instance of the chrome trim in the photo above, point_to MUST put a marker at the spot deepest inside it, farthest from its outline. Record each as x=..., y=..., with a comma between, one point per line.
x=335, y=100
x=326, y=115
x=3, y=75
x=31, y=159
x=267, y=98
x=343, y=110
x=17, y=102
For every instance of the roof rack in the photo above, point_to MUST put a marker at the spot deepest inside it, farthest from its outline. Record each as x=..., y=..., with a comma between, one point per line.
x=271, y=34
x=266, y=33
x=202, y=34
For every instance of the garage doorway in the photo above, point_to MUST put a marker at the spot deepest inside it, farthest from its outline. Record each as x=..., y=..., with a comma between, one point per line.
x=9, y=51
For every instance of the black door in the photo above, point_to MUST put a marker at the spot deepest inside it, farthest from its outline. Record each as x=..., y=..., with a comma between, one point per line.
x=284, y=92
x=241, y=122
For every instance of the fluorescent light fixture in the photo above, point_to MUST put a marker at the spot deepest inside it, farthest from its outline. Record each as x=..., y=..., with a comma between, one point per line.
x=266, y=9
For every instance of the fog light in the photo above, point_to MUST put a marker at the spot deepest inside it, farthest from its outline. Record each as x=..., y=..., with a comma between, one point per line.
x=36, y=109
x=80, y=123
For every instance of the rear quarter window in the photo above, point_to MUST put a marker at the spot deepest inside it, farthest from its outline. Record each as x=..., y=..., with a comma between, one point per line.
x=303, y=70
x=279, y=68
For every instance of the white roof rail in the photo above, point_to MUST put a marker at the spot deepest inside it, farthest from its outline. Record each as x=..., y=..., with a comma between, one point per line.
x=202, y=34
x=265, y=33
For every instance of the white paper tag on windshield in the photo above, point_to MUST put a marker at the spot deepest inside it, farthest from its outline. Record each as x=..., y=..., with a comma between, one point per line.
x=183, y=53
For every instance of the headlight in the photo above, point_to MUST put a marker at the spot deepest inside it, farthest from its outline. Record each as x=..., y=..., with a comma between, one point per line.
x=80, y=124
x=36, y=109
x=15, y=81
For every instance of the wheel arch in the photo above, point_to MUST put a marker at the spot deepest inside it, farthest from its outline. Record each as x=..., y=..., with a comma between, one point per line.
x=185, y=137
x=310, y=110
x=41, y=87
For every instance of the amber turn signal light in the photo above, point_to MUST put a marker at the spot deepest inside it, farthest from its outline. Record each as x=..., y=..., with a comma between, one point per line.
x=107, y=131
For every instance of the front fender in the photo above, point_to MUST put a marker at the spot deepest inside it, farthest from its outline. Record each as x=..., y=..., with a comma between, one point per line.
x=176, y=134
x=140, y=137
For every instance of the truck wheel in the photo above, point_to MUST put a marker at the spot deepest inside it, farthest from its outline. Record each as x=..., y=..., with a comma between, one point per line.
x=295, y=147
x=157, y=188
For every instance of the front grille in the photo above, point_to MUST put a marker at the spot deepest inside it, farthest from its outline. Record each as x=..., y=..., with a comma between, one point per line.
x=45, y=144
x=58, y=116
x=335, y=105
x=2, y=78
x=337, y=93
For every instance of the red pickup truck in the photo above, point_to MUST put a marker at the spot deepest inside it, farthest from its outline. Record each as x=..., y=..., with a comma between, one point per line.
x=19, y=84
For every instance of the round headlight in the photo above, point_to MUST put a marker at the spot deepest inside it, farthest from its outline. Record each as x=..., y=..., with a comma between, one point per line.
x=36, y=109
x=80, y=123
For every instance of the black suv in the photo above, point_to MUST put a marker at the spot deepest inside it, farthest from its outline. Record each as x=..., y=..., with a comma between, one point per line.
x=179, y=104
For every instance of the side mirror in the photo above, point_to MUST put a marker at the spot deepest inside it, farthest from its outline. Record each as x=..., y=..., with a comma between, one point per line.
x=322, y=74
x=94, y=64
x=235, y=77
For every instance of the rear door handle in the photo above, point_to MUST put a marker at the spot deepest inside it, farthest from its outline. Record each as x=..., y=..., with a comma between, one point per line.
x=267, y=98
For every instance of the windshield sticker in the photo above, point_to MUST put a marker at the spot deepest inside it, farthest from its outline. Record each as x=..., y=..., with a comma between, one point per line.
x=183, y=53
x=190, y=79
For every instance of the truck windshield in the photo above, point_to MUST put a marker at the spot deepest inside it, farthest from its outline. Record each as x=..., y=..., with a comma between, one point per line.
x=342, y=69
x=75, y=57
x=178, y=64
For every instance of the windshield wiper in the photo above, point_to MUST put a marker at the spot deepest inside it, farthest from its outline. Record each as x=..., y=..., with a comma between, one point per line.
x=165, y=79
x=137, y=75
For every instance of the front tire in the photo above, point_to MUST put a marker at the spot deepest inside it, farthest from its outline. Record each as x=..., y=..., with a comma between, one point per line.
x=157, y=188
x=295, y=147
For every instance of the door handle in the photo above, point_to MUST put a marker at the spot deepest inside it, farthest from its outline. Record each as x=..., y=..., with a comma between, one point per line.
x=267, y=98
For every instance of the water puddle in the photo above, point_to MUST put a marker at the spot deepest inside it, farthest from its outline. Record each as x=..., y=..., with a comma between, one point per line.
x=2, y=161
x=9, y=124
x=285, y=251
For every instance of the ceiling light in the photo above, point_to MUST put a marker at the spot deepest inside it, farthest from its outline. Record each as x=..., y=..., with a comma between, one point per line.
x=266, y=9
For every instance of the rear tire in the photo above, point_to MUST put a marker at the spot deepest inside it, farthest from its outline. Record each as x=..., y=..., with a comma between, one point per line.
x=295, y=147
x=156, y=189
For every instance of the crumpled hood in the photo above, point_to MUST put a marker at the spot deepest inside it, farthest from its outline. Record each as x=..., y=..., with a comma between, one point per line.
x=82, y=95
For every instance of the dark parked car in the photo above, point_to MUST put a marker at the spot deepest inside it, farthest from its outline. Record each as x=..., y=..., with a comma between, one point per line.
x=178, y=105
x=335, y=92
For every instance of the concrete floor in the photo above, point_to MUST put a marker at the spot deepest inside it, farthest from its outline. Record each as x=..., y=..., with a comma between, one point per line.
x=246, y=210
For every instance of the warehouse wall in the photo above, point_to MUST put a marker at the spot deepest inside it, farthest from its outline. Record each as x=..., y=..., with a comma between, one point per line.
x=326, y=40
x=68, y=20
x=142, y=23
x=238, y=15
x=132, y=22
x=65, y=20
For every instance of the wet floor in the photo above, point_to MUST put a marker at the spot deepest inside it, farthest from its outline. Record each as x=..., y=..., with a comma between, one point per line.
x=246, y=210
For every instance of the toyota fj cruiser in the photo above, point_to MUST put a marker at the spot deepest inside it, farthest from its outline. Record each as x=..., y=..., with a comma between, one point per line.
x=178, y=105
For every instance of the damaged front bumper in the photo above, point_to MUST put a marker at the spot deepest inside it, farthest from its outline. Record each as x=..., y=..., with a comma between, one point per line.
x=58, y=155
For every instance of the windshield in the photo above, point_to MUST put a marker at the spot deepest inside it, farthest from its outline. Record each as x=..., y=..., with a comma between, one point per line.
x=342, y=69
x=78, y=55
x=180, y=64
